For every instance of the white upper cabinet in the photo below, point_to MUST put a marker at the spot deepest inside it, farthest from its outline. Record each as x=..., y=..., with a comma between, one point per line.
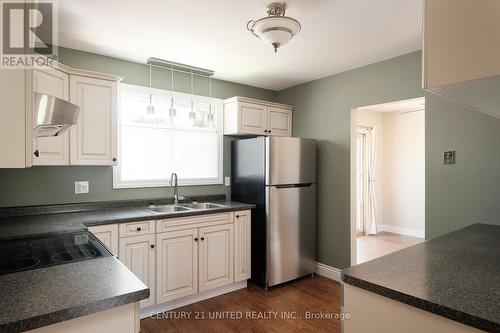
x=461, y=51
x=246, y=116
x=51, y=150
x=15, y=145
x=93, y=138
x=92, y=141
x=253, y=118
x=280, y=121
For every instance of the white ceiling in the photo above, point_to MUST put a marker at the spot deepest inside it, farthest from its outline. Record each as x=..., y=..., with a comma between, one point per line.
x=336, y=35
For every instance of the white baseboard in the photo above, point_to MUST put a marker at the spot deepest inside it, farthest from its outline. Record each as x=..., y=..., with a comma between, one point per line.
x=401, y=230
x=159, y=308
x=328, y=271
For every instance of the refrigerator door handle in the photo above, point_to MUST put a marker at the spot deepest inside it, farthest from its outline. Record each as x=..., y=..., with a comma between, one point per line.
x=293, y=185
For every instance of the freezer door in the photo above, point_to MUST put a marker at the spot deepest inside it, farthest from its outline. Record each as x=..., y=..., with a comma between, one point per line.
x=290, y=161
x=291, y=232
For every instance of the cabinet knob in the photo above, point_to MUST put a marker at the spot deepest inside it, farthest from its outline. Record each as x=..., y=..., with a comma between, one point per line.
x=139, y=228
x=237, y=216
x=269, y=131
x=202, y=238
x=196, y=239
x=265, y=131
x=152, y=246
x=114, y=159
x=36, y=153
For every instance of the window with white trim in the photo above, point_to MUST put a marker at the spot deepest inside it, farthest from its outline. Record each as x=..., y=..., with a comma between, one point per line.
x=182, y=135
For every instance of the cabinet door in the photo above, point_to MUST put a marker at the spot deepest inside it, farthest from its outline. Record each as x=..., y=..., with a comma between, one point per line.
x=108, y=235
x=252, y=118
x=15, y=142
x=242, y=246
x=280, y=121
x=93, y=139
x=51, y=150
x=216, y=254
x=177, y=264
x=138, y=254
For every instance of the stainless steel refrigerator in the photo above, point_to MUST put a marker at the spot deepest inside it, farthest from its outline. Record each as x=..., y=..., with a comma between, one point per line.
x=278, y=175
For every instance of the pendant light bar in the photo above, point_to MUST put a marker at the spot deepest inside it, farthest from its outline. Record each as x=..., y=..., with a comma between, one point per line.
x=178, y=67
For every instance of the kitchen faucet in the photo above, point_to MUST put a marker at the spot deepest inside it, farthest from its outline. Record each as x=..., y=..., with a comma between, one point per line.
x=173, y=182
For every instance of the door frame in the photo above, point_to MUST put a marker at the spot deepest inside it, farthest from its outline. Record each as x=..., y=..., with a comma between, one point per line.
x=360, y=130
x=353, y=183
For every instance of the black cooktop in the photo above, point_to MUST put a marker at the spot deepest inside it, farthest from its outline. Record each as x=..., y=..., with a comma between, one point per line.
x=37, y=252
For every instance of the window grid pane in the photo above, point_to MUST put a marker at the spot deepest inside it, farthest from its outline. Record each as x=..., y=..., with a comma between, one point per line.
x=152, y=146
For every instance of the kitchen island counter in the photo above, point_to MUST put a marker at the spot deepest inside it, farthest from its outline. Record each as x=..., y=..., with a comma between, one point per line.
x=456, y=276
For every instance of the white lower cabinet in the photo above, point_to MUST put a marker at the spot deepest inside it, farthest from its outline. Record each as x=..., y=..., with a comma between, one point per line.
x=194, y=260
x=181, y=257
x=242, y=246
x=177, y=264
x=216, y=253
x=108, y=235
x=138, y=253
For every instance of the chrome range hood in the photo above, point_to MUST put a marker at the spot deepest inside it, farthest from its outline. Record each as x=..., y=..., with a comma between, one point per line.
x=53, y=115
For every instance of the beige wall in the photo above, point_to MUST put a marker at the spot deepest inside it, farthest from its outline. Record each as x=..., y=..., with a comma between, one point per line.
x=400, y=169
x=404, y=173
x=376, y=120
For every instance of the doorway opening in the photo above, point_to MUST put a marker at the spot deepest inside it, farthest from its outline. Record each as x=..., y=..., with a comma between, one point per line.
x=387, y=178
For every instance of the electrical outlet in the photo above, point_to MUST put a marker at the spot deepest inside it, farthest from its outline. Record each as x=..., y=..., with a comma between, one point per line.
x=81, y=187
x=227, y=181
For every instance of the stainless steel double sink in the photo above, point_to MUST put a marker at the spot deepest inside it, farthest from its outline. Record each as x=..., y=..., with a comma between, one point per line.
x=184, y=207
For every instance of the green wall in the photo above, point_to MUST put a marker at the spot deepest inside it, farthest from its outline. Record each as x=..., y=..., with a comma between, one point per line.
x=469, y=191
x=455, y=195
x=51, y=185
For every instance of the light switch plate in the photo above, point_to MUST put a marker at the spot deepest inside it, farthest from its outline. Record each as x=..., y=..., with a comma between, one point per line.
x=449, y=157
x=227, y=181
x=81, y=187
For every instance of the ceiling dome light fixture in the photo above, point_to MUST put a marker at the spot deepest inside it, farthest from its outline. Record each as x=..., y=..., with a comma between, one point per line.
x=276, y=29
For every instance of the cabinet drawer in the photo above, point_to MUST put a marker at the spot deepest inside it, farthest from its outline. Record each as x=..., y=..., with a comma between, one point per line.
x=193, y=221
x=137, y=228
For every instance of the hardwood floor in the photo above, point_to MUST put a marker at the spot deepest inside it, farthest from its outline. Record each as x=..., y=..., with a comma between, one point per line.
x=317, y=295
x=371, y=247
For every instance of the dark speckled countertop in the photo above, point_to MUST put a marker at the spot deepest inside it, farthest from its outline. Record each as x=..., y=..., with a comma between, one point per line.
x=41, y=297
x=44, y=296
x=456, y=276
x=12, y=227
